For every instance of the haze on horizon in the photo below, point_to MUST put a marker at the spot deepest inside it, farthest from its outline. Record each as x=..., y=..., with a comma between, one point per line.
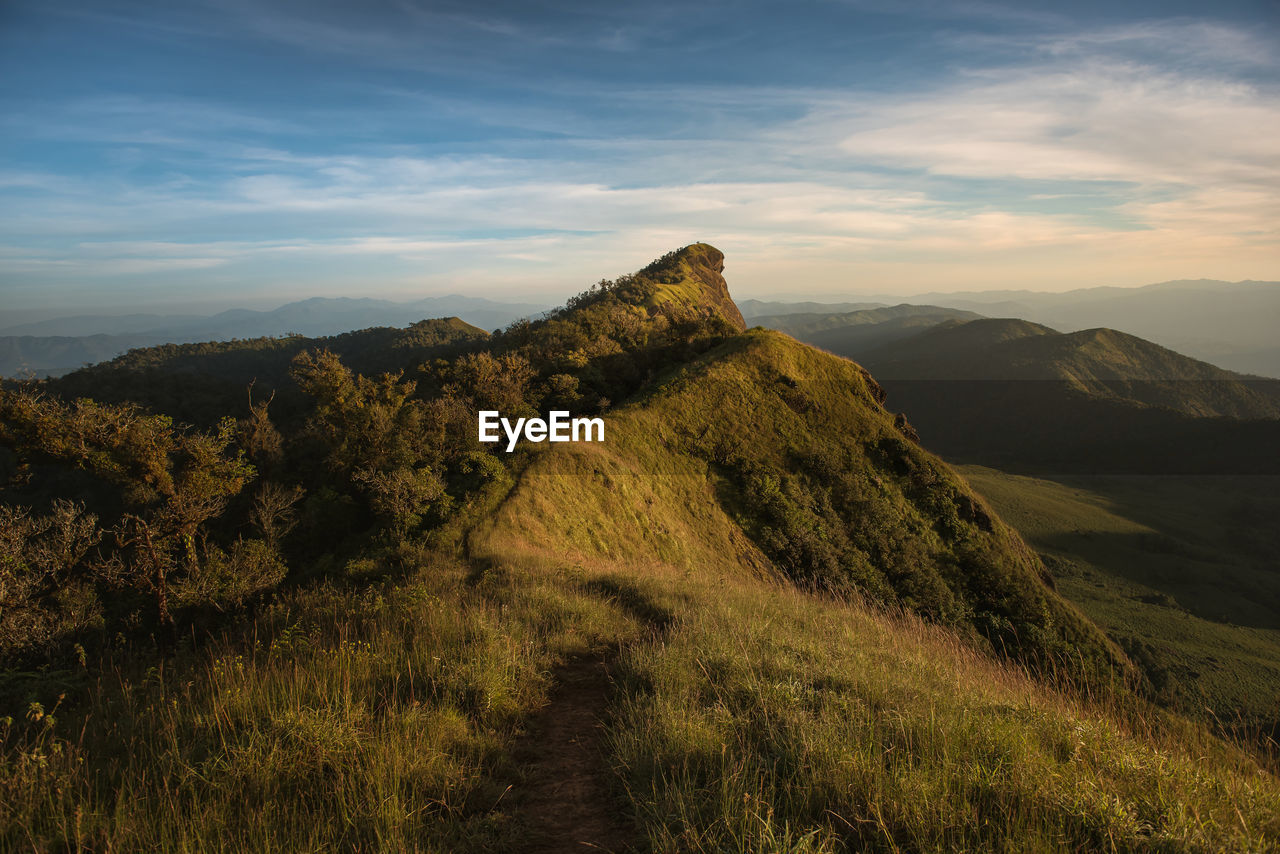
x=210, y=154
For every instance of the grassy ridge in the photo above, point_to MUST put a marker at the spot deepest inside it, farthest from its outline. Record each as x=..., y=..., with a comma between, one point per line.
x=804, y=459
x=802, y=611
x=747, y=715
x=760, y=718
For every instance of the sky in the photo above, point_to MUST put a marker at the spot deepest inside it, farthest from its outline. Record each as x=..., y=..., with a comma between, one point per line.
x=185, y=155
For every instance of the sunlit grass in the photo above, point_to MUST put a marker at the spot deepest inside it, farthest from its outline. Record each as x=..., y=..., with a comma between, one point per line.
x=766, y=714
x=378, y=721
x=746, y=714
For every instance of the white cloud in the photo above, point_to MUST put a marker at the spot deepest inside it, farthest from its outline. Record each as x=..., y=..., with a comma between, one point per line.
x=1098, y=123
x=1099, y=157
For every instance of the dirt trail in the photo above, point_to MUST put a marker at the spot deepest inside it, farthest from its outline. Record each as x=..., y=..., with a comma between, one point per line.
x=567, y=801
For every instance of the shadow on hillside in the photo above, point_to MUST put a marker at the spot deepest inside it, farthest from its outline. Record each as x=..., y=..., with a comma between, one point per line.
x=630, y=598
x=1046, y=428
x=1219, y=588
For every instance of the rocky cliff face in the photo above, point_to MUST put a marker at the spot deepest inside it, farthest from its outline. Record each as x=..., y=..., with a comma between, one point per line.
x=693, y=276
x=706, y=265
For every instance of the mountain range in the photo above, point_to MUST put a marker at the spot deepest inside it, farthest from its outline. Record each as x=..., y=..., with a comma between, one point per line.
x=850, y=333
x=1013, y=393
x=1230, y=324
x=1098, y=362
x=54, y=347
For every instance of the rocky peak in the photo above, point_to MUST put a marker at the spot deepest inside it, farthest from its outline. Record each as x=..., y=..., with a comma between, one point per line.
x=693, y=276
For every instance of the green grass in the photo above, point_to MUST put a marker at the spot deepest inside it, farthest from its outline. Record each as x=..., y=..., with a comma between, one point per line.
x=768, y=720
x=761, y=718
x=747, y=714
x=1180, y=570
x=380, y=720
x=802, y=458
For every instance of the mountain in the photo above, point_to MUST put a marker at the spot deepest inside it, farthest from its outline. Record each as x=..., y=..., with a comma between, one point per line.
x=853, y=333
x=789, y=438
x=1016, y=394
x=754, y=308
x=691, y=279
x=755, y=615
x=84, y=325
x=1099, y=362
x=53, y=347
x=28, y=356
x=1231, y=324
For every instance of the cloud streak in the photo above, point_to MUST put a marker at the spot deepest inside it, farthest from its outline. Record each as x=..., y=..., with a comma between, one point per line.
x=1084, y=157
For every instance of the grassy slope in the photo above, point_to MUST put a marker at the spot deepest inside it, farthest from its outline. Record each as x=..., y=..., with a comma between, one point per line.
x=754, y=717
x=747, y=715
x=1181, y=571
x=797, y=450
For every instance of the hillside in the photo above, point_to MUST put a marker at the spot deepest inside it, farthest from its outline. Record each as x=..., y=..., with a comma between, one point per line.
x=756, y=617
x=835, y=498
x=1226, y=323
x=748, y=716
x=55, y=347
x=850, y=334
x=1099, y=362
x=200, y=383
x=1179, y=570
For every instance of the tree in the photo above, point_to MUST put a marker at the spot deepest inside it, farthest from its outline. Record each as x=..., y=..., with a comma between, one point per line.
x=376, y=436
x=170, y=482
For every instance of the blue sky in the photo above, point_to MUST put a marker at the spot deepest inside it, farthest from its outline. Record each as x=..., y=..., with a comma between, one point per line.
x=247, y=152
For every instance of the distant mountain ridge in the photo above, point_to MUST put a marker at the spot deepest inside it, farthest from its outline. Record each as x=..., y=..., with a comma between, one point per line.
x=315, y=315
x=54, y=347
x=852, y=333
x=1230, y=324
x=752, y=309
x=1017, y=394
x=1098, y=362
